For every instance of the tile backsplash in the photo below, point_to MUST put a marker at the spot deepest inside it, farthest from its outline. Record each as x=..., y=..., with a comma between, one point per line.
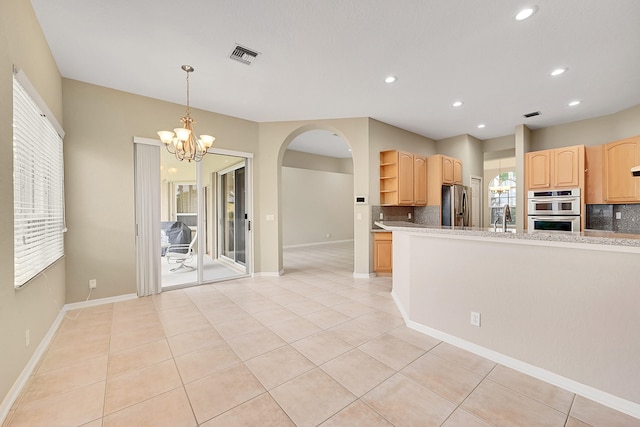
x=605, y=217
x=428, y=215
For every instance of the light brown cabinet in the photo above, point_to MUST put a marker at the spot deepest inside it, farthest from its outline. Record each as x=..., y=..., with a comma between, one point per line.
x=419, y=180
x=538, y=169
x=382, y=252
x=593, y=175
x=401, y=179
x=441, y=170
x=619, y=186
x=556, y=168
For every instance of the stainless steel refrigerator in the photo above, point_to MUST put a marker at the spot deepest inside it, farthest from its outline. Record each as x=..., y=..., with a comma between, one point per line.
x=456, y=205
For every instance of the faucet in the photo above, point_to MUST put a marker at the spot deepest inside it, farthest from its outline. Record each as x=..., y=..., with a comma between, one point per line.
x=506, y=217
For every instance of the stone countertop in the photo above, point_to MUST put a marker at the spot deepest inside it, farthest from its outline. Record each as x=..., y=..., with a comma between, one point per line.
x=589, y=237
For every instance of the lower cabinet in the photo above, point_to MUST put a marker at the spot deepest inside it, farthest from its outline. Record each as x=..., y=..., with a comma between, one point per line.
x=382, y=252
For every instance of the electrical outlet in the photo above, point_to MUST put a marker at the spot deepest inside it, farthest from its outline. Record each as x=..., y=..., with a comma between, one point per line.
x=475, y=319
x=409, y=215
x=381, y=216
x=618, y=215
x=27, y=338
x=93, y=283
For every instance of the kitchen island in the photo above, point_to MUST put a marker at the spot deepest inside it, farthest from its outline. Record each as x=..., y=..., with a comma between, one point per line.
x=563, y=307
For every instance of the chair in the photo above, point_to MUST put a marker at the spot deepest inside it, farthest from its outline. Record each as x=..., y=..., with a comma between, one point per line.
x=181, y=253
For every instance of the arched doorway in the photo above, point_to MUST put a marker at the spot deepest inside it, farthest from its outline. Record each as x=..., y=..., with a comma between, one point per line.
x=316, y=196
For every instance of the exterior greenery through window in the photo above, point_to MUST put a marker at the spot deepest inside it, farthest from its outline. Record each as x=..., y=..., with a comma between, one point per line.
x=38, y=187
x=497, y=200
x=187, y=204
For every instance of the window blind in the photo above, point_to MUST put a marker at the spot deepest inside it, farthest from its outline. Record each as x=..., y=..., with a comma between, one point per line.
x=38, y=188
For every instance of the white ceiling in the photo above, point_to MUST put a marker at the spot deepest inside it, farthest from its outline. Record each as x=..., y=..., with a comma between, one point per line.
x=328, y=59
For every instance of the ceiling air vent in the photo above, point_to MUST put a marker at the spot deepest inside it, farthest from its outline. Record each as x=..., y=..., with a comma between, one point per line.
x=529, y=115
x=244, y=55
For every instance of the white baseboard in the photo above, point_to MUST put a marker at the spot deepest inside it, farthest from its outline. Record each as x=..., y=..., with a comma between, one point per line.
x=316, y=243
x=268, y=273
x=599, y=396
x=16, y=388
x=96, y=302
x=363, y=275
x=22, y=379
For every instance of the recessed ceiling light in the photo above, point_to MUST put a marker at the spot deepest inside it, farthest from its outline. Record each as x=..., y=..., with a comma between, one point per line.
x=457, y=104
x=558, y=71
x=481, y=126
x=574, y=103
x=526, y=13
x=390, y=79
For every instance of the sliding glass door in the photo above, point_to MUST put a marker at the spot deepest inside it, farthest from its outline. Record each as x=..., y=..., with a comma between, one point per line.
x=204, y=216
x=233, y=214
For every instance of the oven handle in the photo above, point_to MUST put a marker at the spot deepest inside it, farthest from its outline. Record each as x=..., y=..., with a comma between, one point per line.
x=555, y=217
x=556, y=199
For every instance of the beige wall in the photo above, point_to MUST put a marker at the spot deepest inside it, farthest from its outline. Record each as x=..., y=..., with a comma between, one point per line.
x=467, y=149
x=37, y=304
x=298, y=159
x=99, y=178
x=507, y=142
x=274, y=139
x=382, y=137
x=599, y=130
x=317, y=206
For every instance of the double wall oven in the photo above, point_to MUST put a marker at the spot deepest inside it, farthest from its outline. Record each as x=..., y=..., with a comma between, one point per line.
x=554, y=210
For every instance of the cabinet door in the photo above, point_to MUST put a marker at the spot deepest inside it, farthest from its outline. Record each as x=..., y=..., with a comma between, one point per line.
x=405, y=178
x=566, y=167
x=593, y=175
x=537, y=169
x=419, y=181
x=382, y=253
x=457, y=171
x=619, y=158
x=447, y=170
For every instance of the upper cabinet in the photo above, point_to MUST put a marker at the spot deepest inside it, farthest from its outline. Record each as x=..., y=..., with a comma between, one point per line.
x=538, y=169
x=593, y=175
x=442, y=170
x=401, y=179
x=419, y=180
x=619, y=186
x=557, y=168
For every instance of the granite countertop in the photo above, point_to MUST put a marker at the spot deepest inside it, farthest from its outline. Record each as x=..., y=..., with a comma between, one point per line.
x=589, y=236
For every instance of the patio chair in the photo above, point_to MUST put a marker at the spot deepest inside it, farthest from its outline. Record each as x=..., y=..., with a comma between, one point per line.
x=180, y=253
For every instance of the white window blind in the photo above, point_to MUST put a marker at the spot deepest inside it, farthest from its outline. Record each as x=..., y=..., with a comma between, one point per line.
x=38, y=187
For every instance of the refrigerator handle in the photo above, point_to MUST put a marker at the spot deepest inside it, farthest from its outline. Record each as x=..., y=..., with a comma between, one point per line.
x=465, y=211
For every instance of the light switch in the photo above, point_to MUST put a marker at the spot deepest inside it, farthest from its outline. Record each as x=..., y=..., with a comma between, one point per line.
x=271, y=217
x=359, y=216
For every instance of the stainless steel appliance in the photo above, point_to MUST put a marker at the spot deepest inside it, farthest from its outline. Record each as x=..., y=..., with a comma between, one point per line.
x=456, y=205
x=554, y=210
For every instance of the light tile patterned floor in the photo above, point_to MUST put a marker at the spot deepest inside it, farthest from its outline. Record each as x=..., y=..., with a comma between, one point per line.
x=313, y=347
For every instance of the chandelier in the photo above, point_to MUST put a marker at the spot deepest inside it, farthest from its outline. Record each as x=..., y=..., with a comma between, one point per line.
x=502, y=186
x=182, y=141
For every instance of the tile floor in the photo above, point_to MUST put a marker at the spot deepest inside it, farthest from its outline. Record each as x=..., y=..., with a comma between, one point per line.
x=313, y=347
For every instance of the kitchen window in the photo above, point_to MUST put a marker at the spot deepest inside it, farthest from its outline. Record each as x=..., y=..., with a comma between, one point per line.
x=502, y=190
